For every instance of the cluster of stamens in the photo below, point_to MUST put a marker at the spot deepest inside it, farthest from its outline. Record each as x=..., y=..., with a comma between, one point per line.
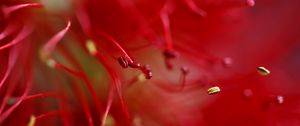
x=125, y=61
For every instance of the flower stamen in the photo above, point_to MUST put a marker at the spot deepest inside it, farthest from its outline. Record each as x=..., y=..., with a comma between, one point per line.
x=142, y=23
x=169, y=55
x=11, y=62
x=8, y=112
x=116, y=81
x=53, y=113
x=51, y=63
x=213, y=90
x=83, y=102
x=108, y=106
x=7, y=31
x=26, y=30
x=91, y=47
x=193, y=7
x=147, y=71
x=8, y=10
x=169, y=52
x=184, y=72
x=48, y=48
x=123, y=62
x=164, y=17
x=32, y=121
x=263, y=71
x=82, y=76
x=111, y=39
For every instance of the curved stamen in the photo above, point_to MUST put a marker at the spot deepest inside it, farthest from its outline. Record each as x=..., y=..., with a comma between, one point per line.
x=8, y=30
x=7, y=10
x=83, y=102
x=27, y=29
x=184, y=72
x=111, y=39
x=51, y=44
x=108, y=106
x=13, y=107
x=193, y=7
x=11, y=62
x=116, y=81
x=167, y=31
x=44, y=115
x=82, y=76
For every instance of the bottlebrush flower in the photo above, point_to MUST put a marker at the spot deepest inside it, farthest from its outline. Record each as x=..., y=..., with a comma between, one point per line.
x=149, y=63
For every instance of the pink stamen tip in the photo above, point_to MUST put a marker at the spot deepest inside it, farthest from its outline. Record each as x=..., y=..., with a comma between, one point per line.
x=184, y=70
x=50, y=45
x=279, y=99
x=227, y=62
x=250, y=3
x=193, y=7
x=8, y=10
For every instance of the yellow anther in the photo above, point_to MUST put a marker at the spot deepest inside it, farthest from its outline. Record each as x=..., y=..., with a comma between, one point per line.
x=141, y=78
x=45, y=57
x=31, y=121
x=51, y=63
x=263, y=71
x=90, y=45
x=109, y=121
x=213, y=90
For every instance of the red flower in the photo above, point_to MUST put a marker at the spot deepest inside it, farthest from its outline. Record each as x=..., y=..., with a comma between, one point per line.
x=149, y=63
